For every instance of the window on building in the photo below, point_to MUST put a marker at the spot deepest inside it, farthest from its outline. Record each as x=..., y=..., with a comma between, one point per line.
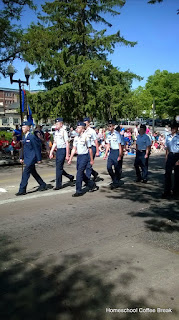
x=8, y=94
x=15, y=121
x=5, y=121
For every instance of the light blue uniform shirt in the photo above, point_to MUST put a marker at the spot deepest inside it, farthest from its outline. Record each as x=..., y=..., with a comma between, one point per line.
x=114, y=139
x=122, y=140
x=82, y=143
x=91, y=133
x=172, y=143
x=61, y=137
x=143, y=141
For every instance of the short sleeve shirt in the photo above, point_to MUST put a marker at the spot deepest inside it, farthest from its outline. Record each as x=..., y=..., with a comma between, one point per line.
x=114, y=139
x=143, y=141
x=122, y=140
x=91, y=134
x=60, y=138
x=82, y=143
x=172, y=143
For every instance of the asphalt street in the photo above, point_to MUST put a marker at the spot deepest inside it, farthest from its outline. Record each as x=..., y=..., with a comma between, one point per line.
x=79, y=258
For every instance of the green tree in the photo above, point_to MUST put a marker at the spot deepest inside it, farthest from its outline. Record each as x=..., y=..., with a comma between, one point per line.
x=138, y=104
x=164, y=86
x=70, y=56
x=11, y=33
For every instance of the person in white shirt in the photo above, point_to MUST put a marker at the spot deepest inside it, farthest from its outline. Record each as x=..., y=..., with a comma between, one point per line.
x=91, y=133
x=114, y=146
x=136, y=132
x=143, y=146
x=82, y=146
x=62, y=145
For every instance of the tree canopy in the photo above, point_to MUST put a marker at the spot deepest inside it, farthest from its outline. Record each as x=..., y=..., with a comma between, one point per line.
x=163, y=86
x=11, y=33
x=70, y=56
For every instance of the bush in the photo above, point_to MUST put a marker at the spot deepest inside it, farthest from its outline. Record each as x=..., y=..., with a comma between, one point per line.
x=8, y=135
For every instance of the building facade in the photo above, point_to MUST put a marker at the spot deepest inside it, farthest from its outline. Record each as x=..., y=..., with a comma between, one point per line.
x=9, y=106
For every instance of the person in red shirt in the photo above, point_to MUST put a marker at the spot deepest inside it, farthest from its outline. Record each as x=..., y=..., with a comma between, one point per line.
x=16, y=145
x=4, y=144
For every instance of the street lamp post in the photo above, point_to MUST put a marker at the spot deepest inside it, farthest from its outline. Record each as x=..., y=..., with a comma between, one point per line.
x=27, y=75
x=153, y=116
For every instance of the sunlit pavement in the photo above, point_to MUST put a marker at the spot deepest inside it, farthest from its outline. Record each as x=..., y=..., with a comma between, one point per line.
x=66, y=258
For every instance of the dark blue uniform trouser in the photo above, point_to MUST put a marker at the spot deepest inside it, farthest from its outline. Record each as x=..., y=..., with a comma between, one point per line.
x=60, y=159
x=30, y=169
x=112, y=161
x=170, y=165
x=120, y=162
x=82, y=162
x=89, y=169
x=141, y=161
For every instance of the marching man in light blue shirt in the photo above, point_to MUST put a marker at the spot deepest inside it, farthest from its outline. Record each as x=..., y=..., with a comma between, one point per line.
x=143, y=145
x=94, y=146
x=172, y=162
x=114, y=145
x=82, y=145
x=62, y=145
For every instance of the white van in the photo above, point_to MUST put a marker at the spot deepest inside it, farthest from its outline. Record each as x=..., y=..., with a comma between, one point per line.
x=53, y=128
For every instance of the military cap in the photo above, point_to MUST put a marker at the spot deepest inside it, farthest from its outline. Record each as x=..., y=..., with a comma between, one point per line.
x=59, y=120
x=26, y=123
x=81, y=123
x=86, y=119
x=113, y=122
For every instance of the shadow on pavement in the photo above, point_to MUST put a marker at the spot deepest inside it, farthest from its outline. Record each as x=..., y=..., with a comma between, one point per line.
x=162, y=219
x=68, y=291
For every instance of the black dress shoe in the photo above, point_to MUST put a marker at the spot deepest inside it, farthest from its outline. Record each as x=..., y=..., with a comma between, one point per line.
x=20, y=193
x=144, y=180
x=42, y=188
x=115, y=186
x=72, y=178
x=77, y=194
x=138, y=180
x=94, y=188
x=57, y=188
x=95, y=176
x=166, y=195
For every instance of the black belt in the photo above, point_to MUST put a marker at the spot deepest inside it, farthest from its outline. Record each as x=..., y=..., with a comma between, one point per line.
x=141, y=150
x=174, y=152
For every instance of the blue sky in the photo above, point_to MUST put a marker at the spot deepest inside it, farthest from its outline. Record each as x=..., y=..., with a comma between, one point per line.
x=154, y=27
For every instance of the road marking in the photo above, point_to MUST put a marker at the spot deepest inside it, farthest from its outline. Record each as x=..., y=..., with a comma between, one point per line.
x=3, y=190
x=43, y=194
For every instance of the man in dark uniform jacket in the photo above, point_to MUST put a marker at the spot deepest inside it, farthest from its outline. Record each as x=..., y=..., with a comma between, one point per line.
x=31, y=154
x=172, y=162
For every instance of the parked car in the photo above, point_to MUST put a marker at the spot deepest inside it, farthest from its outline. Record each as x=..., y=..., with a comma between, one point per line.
x=158, y=122
x=8, y=129
x=165, y=122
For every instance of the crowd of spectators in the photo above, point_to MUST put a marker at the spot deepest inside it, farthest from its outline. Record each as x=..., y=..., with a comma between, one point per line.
x=130, y=137
x=12, y=146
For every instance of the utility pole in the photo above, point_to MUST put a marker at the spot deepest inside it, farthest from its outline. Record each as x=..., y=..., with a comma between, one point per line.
x=153, y=118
